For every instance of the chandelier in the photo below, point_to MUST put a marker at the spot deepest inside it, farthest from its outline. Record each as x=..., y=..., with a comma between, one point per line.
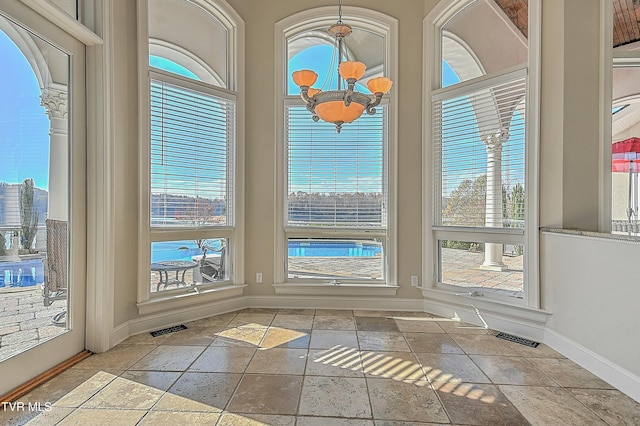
x=341, y=106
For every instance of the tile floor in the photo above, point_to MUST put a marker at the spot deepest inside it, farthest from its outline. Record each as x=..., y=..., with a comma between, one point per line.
x=325, y=367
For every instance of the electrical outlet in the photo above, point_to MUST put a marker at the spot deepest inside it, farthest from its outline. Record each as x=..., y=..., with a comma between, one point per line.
x=414, y=281
x=258, y=277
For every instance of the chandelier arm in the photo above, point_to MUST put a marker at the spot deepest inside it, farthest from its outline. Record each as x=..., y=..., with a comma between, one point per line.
x=304, y=93
x=370, y=108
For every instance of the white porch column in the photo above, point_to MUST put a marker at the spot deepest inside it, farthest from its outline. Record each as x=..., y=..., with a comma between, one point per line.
x=54, y=101
x=493, y=218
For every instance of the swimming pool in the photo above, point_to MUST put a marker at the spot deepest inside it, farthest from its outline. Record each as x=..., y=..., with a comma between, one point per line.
x=26, y=273
x=334, y=248
x=186, y=250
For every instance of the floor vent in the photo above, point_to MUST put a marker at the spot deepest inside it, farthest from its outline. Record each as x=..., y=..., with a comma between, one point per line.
x=168, y=330
x=517, y=339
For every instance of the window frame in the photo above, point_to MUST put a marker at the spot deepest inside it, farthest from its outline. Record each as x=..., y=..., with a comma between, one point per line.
x=387, y=27
x=432, y=68
x=147, y=301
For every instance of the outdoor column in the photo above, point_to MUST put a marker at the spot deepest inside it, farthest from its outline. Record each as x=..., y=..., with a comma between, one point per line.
x=493, y=218
x=54, y=101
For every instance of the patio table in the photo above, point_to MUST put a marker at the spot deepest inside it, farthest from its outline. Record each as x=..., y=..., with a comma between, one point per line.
x=177, y=266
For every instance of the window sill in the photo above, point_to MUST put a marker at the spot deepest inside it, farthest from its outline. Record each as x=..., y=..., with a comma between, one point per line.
x=325, y=289
x=533, y=316
x=176, y=301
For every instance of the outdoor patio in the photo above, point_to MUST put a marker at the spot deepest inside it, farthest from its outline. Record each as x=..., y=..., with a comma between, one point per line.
x=24, y=320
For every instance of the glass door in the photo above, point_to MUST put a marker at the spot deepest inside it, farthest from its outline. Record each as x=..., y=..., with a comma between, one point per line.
x=42, y=196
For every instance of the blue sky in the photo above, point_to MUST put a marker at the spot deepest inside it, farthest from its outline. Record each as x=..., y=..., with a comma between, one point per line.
x=24, y=126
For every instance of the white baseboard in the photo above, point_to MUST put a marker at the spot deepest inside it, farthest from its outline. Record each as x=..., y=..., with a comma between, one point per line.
x=611, y=373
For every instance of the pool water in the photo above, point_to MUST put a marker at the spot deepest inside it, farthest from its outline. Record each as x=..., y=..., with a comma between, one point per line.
x=26, y=273
x=186, y=250
x=318, y=248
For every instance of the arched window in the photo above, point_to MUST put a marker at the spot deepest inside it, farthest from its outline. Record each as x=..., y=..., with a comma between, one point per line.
x=335, y=198
x=191, y=207
x=478, y=152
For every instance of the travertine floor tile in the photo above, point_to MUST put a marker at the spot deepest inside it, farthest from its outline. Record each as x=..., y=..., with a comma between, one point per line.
x=549, y=406
x=398, y=401
x=483, y=344
x=231, y=419
x=432, y=343
x=161, y=380
x=223, y=359
x=335, y=396
x=333, y=323
x=47, y=418
x=450, y=368
x=340, y=362
x=88, y=416
x=169, y=358
x=479, y=404
x=568, y=374
x=195, y=336
x=127, y=394
x=255, y=320
x=375, y=324
x=344, y=313
x=277, y=337
x=418, y=325
x=302, y=322
x=163, y=418
x=331, y=421
x=86, y=390
x=218, y=322
x=266, y=394
x=460, y=327
x=120, y=357
x=212, y=389
x=401, y=366
x=327, y=339
x=612, y=406
x=510, y=370
x=309, y=367
x=279, y=361
x=382, y=341
x=240, y=336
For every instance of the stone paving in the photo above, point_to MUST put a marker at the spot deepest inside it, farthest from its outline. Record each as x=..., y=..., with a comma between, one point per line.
x=462, y=268
x=25, y=321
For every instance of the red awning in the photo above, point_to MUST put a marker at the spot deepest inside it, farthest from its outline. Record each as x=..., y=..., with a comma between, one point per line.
x=625, y=156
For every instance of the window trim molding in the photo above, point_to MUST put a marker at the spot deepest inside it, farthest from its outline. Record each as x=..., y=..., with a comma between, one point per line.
x=379, y=23
x=222, y=11
x=432, y=71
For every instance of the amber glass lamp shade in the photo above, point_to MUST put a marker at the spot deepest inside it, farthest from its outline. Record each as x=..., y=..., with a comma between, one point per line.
x=379, y=85
x=336, y=111
x=312, y=91
x=304, y=77
x=352, y=69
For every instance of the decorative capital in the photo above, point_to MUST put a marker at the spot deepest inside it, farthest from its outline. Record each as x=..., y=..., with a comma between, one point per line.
x=54, y=103
x=494, y=141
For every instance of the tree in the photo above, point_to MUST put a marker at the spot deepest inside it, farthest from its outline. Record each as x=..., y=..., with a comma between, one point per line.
x=28, y=215
x=466, y=204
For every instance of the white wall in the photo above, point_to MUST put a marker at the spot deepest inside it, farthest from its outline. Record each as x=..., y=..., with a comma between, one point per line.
x=592, y=287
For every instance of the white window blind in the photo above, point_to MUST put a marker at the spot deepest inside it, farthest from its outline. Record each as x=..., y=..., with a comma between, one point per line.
x=192, y=150
x=479, y=153
x=336, y=179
